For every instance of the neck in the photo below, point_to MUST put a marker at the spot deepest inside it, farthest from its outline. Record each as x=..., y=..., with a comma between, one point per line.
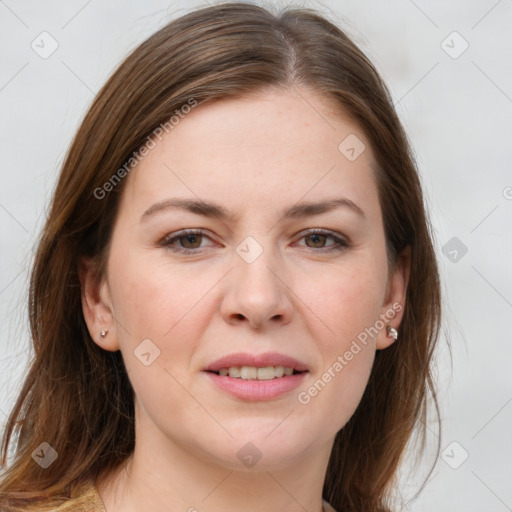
x=161, y=474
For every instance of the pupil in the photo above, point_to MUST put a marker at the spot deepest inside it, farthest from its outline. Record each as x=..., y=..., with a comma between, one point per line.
x=191, y=238
x=316, y=238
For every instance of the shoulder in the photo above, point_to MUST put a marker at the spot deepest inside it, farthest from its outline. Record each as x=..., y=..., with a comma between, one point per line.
x=88, y=500
x=84, y=499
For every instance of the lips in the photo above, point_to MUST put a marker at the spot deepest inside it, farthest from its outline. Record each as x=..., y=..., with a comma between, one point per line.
x=257, y=360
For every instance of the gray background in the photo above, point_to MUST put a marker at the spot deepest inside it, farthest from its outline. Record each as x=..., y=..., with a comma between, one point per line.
x=457, y=109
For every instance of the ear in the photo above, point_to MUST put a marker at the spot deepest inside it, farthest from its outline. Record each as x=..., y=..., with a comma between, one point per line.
x=394, y=302
x=96, y=305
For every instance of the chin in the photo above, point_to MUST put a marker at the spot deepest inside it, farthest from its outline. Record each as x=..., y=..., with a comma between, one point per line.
x=263, y=448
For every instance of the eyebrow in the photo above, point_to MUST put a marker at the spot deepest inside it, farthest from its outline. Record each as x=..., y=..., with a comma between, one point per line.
x=212, y=209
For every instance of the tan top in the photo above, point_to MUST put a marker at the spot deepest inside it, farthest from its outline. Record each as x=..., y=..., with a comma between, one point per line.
x=84, y=499
x=90, y=501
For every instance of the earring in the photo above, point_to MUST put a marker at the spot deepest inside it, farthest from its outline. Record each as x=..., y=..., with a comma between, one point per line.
x=392, y=332
x=103, y=334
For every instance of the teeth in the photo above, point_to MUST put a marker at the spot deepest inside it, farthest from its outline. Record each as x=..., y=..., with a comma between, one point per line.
x=266, y=373
x=248, y=372
x=234, y=372
x=253, y=373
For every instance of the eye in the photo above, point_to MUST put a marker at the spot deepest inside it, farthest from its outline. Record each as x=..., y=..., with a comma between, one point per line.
x=189, y=241
x=186, y=241
x=318, y=237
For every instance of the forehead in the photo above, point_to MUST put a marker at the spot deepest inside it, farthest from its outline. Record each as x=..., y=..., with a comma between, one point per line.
x=274, y=145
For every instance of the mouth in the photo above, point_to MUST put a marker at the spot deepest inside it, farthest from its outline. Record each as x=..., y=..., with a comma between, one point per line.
x=257, y=377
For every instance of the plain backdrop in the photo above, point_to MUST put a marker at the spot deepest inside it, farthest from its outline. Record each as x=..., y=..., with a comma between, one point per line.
x=447, y=65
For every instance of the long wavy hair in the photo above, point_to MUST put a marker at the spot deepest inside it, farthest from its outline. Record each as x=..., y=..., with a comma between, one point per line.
x=77, y=397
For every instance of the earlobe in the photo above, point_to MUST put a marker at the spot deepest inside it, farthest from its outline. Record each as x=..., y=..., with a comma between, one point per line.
x=95, y=306
x=393, y=308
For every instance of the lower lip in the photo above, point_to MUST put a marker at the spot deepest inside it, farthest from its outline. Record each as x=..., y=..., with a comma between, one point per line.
x=257, y=389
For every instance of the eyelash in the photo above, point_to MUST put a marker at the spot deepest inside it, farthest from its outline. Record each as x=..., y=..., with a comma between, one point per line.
x=340, y=244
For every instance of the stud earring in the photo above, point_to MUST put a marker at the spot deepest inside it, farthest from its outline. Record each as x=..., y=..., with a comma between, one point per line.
x=103, y=334
x=392, y=332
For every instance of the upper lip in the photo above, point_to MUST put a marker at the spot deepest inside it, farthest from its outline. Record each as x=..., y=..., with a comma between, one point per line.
x=259, y=360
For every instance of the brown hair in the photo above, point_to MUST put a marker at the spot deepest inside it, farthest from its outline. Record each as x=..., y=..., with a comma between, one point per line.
x=76, y=396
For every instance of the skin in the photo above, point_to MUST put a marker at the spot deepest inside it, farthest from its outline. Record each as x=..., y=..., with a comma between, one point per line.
x=255, y=156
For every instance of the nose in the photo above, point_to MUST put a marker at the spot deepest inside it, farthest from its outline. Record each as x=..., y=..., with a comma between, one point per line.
x=257, y=292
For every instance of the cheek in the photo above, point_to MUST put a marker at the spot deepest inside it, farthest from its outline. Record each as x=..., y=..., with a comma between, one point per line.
x=336, y=393
x=171, y=306
x=336, y=388
x=348, y=302
x=153, y=297
x=159, y=322
x=347, y=299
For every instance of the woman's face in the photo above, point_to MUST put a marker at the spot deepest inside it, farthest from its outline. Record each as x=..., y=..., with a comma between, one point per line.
x=253, y=282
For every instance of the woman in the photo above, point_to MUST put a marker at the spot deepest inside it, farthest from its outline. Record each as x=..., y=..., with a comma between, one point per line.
x=235, y=298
